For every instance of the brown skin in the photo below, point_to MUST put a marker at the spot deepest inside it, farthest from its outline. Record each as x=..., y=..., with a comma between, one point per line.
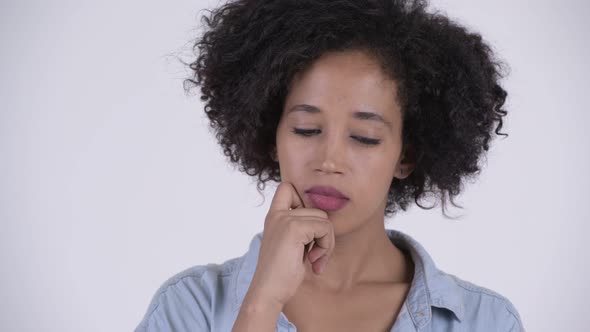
x=288, y=229
x=339, y=84
x=353, y=269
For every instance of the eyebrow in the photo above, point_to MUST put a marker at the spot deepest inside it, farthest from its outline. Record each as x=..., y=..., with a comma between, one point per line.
x=360, y=115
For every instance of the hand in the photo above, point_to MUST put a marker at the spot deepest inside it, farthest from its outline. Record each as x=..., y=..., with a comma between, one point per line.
x=289, y=231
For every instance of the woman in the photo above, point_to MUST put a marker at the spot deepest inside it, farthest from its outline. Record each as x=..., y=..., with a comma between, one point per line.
x=356, y=108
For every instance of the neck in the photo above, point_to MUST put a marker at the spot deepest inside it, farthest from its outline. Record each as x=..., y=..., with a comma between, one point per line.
x=362, y=257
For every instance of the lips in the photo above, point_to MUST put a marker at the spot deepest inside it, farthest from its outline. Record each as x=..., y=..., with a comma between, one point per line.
x=326, y=198
x=326, y=191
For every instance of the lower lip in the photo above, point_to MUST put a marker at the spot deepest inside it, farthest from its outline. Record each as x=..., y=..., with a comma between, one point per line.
x=327, y=203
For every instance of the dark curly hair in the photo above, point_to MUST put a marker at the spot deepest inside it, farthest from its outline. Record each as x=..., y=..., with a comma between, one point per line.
x=447, y=77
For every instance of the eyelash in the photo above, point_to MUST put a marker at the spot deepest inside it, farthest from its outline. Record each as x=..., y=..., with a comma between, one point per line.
x=360, y=139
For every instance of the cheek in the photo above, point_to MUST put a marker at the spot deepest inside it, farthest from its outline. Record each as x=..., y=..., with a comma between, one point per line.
x=293, y=157
x=378, y=161
x=375, y=171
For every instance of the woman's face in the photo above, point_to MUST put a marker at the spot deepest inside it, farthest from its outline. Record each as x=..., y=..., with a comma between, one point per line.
x=341, y=127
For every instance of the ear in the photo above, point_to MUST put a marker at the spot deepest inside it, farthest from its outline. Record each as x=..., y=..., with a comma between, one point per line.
x=407, y=162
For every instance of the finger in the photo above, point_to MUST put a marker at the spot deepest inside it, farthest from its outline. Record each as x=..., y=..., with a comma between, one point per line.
x=324, y=245
x=315, y=253
x=285, y=197
x=319, y=230
x=306, y=251
x=319, y=265
x=309, y=212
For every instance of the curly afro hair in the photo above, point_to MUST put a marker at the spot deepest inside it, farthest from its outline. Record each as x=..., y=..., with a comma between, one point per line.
x=447, y=77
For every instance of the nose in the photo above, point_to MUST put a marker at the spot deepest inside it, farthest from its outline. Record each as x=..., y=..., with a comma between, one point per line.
x=331, y=155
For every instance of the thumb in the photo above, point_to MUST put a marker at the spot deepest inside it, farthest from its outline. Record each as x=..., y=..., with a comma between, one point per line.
x=285, y=198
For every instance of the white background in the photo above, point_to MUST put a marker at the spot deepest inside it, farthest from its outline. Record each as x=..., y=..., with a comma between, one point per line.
x=110, y=181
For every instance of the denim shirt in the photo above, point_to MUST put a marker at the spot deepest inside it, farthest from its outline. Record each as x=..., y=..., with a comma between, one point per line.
x=208, y=298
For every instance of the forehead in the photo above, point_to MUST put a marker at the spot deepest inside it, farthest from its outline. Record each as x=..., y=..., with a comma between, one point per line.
x=345, y=81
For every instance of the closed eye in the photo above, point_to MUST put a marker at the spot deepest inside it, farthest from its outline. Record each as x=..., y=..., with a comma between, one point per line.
x=306, y=132
x=360, y=139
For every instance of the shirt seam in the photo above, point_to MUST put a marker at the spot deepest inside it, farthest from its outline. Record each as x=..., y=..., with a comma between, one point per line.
x=428, y=300
x=507, y=305
x=426, y=287
x=482, y=290
x=516, y=318
x=236, y=279
x=164, y=290
x=230, y=267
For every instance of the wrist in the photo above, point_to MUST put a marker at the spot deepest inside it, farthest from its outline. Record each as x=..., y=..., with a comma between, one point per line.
x=257, y=302
x=257, y=313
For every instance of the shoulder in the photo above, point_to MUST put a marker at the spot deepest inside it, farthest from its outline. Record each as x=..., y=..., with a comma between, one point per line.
x=188, y=299
x=485, y=307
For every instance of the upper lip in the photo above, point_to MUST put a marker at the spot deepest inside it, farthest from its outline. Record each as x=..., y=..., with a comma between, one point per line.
x=326, y=191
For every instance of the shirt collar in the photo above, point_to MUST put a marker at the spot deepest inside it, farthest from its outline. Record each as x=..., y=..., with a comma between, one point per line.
x=430, y=287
